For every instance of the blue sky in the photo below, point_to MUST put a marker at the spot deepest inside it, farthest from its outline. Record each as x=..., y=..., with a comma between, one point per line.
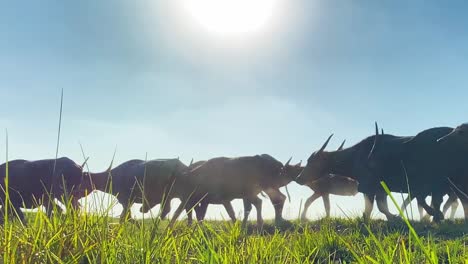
x=137, y=76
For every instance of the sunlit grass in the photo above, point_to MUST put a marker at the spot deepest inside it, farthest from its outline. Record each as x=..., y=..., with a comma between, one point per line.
x=86, y=238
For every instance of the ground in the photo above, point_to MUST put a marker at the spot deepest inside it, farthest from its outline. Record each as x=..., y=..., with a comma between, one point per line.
x=82, y=238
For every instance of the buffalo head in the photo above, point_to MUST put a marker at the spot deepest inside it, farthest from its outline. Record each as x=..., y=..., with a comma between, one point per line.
x=317, y=166
x=290, y=172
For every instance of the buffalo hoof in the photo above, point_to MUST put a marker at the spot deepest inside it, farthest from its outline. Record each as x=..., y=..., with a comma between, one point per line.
x=282, y=222
x=135, y=222
x=438, y=217
x=426, y=218
x=393, y=218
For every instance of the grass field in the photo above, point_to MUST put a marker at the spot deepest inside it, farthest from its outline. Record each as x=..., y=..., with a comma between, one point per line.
x=86, y=238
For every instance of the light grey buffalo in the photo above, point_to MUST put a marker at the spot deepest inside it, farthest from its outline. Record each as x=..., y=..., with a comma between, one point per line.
x=201, y=205
x=221, y=180
x=150, y=182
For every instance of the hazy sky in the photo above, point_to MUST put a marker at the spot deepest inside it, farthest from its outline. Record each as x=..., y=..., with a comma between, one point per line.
x=142, y=76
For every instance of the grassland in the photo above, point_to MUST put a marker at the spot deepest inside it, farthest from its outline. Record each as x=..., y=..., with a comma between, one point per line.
x=87, y=238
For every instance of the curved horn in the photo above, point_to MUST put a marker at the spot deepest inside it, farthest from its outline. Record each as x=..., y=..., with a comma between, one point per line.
x=375, y=140
x=299, y=164
x=342, y=145
x=287, y=192
x=287, y=163
x=326, y=143
x=382, y=131
x=191, y=163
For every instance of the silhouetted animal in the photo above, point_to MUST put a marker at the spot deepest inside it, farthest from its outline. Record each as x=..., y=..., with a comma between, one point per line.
x=422, y=165
x=220, y=180
x=457, y=143
x=201, y=208
x=370, y=161
x=35, y=183
x=137, y=181
x=324, y=186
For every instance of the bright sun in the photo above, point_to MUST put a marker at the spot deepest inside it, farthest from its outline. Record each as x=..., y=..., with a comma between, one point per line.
x=231, y=17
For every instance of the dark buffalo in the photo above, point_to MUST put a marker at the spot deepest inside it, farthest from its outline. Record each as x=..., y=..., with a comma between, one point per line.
x=354, y=163
x=372, y=161
x=35, y=183
x=457, y=143
x=422, y=166
x=150, y=182
x=324, y=186
x=221, y=180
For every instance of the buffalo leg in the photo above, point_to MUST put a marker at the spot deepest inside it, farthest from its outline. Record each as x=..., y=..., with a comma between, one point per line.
x=452, y=203
x=75, y=203
x=464, y=201
x=165, y=209
x=20, y=215
x=126, y=213
x=201, y=211
x=326, y=203
x=383, y=206
x=278, y=199
x=431, y=211
x=49, y=207
x=12, y=212
x=437, y=200
x=422, y=215
x=406, y=202
x=369, y=205
x=230, y=211
x=191, y=208
x=307, y=204
x=257, y=202
x=177, y=212
x=247, y=209
x=189, y=216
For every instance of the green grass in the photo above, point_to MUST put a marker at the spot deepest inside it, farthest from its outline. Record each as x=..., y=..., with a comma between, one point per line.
x=85, y=238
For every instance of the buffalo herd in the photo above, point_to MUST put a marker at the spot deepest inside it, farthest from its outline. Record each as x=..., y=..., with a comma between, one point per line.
x=432, y=163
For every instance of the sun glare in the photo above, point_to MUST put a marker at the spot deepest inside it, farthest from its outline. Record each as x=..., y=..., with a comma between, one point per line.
x=231, y=17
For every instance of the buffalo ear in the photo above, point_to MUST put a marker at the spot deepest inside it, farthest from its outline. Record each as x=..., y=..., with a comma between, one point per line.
x=298, y=164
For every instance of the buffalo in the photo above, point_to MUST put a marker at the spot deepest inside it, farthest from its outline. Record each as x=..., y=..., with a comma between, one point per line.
x=397, y=161
x=203, y=202
x=35, y=183
x=221, y=180
x=352, y=162
x=456, y=142
x=324, y=186
x=423, y=166
x=150, y=182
